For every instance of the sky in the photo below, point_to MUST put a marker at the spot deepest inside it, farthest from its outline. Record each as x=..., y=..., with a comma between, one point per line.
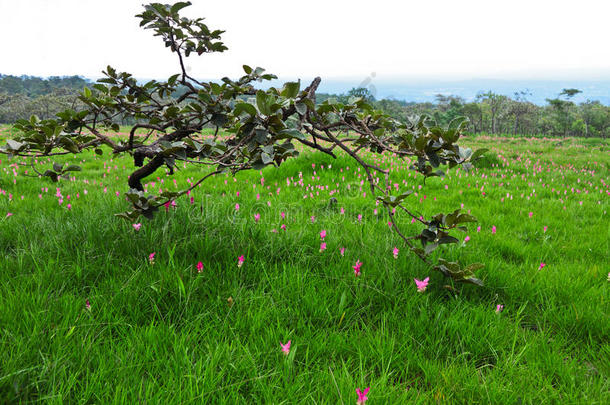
x=381, y=39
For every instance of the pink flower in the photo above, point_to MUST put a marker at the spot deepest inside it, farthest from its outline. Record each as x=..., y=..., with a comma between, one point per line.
x=466, y=239
x=389, y=224
x=151, y=258
x=285, y=347
x=493, y=229
x=342, y=251
x=283, y=227
x=283, y=215
x=322, y=247
x=362, y=395
x=542, y=264
x=356, y=267
x=359, y=217
x=478, y=229
x=199, y=267
x=87, y=305
x=421, y=284
x=137, y=226
x=236, y=207
x=69, y=207
x=323, y=234
x=313, y=219
x=240, y=261
x=395, y=252
x=531, y=214
x=9, y=214
x=499, y=308
x=257, y=217
x=545, y=228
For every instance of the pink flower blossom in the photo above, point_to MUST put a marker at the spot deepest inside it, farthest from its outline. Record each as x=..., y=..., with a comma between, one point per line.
x=499, y=308
x=283, y=227
x=531, y=214
x=137, y=226
x=362, y=395
x=493, y=229
x=356, y=267
x=545, y=229
x=322, y=247
x=9, y=214
x=151, y=258
x=342, y=251
x=466, y=239
x=87, y=305
x=240, y=260
x=257, y=217
x=478, y=229
x=542, y=264
x=395, y=252
x=421, y=284
x=312, y=219
x=323, y=234
x=236, y=207
x=199, y=267
x=283, y=215
x=285, y=348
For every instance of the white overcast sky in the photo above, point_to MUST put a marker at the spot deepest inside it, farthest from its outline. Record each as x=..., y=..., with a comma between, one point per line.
x=432, y=39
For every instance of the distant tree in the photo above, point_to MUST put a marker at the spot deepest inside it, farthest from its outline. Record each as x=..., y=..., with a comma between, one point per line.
x=361, y=92
x=495, y=102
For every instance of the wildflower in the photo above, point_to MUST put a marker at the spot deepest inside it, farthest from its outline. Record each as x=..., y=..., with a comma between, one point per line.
x=236, y=207
x=283, y=215
x=478, y=229
x=362, y=395
x=240, y=261
x=359, y=217
x=395, y=252
x=151, y=258
x=466, y=239
x=542, y=264
x=283, y=227
x=313, y=219
x=69, y=207
x=199, y=267
x=322, y=247
x=257, y=217
x=285, y=347
x=87, y=305
x=493, y=229
x=531, y=214
x=323, y=234
x=356, y=267
x=137, y=226
x=342, y=251
x=9, y=214
x=499, y=308
x=545, y=229
x=421, y=284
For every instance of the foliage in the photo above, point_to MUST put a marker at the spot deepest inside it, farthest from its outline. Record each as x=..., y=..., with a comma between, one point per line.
x=261, y=134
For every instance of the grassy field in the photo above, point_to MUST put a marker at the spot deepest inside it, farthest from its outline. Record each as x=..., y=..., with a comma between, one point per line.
x=165, y=332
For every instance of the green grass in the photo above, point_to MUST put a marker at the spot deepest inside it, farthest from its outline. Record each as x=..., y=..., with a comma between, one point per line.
x=164, y=333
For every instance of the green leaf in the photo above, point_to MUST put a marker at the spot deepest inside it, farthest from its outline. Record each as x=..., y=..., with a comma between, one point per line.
x=291, y=89
x=262, y=101
x=87, y=92
x=179, y=6
x=244, y=107
x=266, y=158
x=293, y=133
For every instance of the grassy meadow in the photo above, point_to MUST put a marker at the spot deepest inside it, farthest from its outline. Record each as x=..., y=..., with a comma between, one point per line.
x=162, y=331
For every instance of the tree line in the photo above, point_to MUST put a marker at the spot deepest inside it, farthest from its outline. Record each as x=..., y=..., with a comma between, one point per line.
x=492, y=113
